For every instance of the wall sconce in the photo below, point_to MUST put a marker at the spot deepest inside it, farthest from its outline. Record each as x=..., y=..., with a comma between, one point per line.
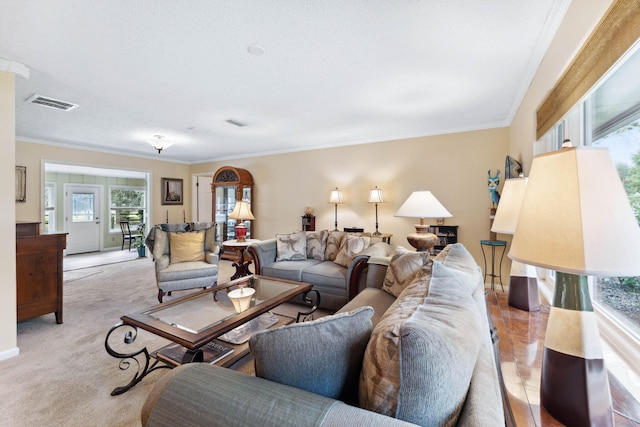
x=336, y=198
x=375, y=196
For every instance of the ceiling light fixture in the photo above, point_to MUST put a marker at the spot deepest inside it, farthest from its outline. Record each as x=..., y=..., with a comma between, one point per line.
x=256, y=50
x=159, y=143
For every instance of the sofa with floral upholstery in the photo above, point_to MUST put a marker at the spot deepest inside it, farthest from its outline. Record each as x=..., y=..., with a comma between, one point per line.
x=334, y=262
x=415, y=347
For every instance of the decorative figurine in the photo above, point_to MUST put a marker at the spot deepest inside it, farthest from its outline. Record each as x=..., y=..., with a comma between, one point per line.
x=494, y=182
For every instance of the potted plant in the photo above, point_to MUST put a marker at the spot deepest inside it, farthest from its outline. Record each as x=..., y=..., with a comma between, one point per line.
x=138, y=243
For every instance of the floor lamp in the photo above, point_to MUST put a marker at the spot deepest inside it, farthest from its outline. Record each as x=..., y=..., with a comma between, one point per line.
x=336, y=199
x=375, y=196
x=576, y=219
x=523, y=281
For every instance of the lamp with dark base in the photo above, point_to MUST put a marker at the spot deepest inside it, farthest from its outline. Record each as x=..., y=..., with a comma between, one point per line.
x=523, y=281
x=336, y=199
x=576, y=219
x=422, y=204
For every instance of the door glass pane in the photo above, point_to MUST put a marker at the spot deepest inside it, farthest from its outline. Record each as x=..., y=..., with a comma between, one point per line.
x=82, y=207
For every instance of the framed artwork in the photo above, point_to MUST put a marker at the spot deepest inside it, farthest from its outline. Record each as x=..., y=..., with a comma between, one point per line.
x=171, y=191
x=21, y=183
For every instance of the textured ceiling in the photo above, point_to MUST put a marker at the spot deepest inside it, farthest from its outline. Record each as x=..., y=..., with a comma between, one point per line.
x=332, y=73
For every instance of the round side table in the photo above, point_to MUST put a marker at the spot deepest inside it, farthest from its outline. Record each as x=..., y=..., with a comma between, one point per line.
x=493, y=244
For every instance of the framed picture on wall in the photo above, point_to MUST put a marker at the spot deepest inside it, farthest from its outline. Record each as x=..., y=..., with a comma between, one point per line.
x=171, y=191
x=21, y=183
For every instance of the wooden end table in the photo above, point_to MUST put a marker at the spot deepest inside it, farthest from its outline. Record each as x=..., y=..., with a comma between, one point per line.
x=239, y=254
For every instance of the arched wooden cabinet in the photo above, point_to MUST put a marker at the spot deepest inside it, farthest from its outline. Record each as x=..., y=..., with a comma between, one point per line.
x=230, y=184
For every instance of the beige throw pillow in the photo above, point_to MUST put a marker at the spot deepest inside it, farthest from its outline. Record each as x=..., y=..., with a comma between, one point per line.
x=350, y=247
x=333, y=244
x=187, y=246
x=403, y=266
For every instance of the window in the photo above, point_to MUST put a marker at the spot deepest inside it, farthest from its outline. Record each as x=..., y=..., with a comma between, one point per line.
x=50, y=207
x=613, y=121
x=127, y=203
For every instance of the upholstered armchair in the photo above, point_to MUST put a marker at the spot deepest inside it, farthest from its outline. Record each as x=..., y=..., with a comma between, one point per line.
x=185, y=256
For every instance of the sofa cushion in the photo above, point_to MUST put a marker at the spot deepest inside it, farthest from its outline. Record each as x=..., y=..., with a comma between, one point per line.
x=322, y=356
x=187, y=246
x=325, y=274
x=316, y=244
x=187, y=270
x=436, y=347
x=291, y=247
x=290, y=270
x=376, y=298
x=403, y=266
x=350, y=247
x=334, y=239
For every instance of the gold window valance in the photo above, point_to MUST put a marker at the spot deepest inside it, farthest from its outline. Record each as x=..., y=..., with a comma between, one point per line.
x=614, y=35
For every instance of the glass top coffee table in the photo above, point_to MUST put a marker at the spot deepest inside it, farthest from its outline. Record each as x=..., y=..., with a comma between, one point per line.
x=193, y=323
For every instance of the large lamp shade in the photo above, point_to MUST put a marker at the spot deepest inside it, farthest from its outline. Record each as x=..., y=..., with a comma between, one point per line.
x=576, y=217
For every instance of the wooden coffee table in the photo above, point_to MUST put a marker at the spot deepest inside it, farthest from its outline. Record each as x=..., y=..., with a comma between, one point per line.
x=197, y=319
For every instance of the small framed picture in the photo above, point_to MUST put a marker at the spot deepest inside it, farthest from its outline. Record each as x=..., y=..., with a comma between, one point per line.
x=171, y=191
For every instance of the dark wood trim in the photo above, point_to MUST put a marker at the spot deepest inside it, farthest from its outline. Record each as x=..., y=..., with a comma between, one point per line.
x=359, y=269
x=614, y=35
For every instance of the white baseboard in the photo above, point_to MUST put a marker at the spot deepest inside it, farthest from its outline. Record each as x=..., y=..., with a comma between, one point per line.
x=8, y=354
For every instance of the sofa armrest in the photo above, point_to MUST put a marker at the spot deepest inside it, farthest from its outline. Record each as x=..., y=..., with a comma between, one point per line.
x=198, y=394
x=212, y=258
x=357, y=272
x=263, y=252
x=162, y=262
x=376, y=271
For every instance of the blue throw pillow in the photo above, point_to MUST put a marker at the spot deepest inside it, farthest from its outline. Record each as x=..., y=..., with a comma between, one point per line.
x=323, y=356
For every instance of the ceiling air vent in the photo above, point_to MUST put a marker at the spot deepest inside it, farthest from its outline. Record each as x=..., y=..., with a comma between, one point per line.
x=52, y=103
x=235, y=123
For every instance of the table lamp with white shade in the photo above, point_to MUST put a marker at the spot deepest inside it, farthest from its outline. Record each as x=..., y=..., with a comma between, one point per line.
x=523, y=281
x=422, y=204
x=576, y=219
x=241, y=213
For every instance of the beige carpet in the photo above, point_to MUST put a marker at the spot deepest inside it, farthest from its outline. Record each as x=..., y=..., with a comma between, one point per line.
x=63, y=375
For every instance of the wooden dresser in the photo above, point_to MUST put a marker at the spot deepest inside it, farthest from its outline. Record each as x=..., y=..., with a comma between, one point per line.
x=38, y=271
